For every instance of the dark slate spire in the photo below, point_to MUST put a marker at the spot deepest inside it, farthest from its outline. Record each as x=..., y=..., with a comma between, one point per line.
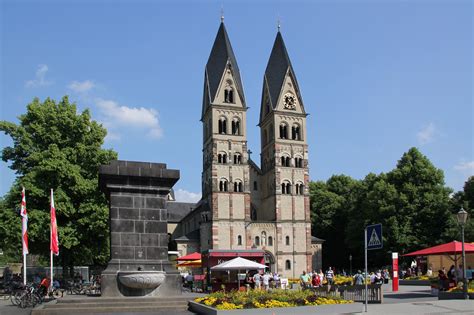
x=222, y=55
x=278, y=65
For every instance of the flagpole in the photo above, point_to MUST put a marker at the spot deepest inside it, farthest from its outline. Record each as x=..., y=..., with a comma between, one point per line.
x=24, y=268
x=51, y=250
x=51, y=284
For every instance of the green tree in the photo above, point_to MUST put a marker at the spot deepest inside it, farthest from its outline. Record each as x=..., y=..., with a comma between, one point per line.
x=56, y=147
x=465, y=199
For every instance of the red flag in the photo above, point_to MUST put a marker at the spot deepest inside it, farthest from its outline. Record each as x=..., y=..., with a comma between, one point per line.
x=54, y=245
x=24, y=222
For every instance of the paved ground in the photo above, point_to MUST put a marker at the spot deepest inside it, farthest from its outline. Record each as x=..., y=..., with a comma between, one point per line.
x=409, y=300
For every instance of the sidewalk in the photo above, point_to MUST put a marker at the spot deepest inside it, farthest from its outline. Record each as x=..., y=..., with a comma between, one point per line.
x=431, y=307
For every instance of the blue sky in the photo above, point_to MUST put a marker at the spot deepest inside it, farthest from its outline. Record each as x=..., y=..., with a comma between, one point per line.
x=377, y=77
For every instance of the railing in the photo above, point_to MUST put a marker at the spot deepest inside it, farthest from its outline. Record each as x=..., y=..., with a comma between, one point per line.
x=355, y=293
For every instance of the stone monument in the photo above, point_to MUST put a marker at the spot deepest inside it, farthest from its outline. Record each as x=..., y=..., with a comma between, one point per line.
x=137, y=194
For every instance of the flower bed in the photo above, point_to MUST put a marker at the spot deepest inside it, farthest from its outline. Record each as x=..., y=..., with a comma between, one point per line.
x=263, y=299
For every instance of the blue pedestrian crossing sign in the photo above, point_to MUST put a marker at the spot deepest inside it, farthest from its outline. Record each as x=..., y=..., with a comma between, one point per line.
x=374, y=236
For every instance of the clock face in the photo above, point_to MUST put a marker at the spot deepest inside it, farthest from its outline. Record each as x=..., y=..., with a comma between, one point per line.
x=289, y=101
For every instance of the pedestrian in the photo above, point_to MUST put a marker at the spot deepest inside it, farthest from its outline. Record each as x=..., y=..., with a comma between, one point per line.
x=321, y=276
x=276, y=280
x=358, y=278
x=266, y=281
x=257, y=279
x=316, y=280
x=330, y=276
x=305, y=280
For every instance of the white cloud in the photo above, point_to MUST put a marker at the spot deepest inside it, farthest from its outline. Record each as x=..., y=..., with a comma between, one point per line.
x=40, y=77
x=426, y=135
x=115, y=115
x=186, y=196
x=81, y=87
x=467, y=167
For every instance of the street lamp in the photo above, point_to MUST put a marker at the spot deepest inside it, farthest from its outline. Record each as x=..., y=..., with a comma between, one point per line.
x=350, y=264
x=462, y=219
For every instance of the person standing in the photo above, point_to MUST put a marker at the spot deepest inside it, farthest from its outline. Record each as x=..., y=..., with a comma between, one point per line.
x=266, y=281
x=330, y=276
x=257, y=279
x=358, y=278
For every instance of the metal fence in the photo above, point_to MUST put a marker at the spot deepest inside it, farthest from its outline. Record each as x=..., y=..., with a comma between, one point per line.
x=355, y=293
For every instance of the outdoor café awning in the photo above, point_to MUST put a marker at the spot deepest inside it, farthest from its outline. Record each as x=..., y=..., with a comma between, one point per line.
x=452, y=248
x=191, y=263
x=239, y=263
x=193, y=256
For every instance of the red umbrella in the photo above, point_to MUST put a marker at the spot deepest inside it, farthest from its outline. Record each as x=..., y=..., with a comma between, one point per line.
x=451, y=248
x=193, y=256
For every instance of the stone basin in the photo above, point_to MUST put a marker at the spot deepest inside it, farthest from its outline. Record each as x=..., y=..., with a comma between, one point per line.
x=141, y=279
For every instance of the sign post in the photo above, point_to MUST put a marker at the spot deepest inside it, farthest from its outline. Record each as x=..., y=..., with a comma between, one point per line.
x=372, y=240
x=395, y=272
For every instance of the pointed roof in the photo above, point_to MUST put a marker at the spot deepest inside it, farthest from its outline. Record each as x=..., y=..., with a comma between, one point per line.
x=278, y=66
x=221, y=55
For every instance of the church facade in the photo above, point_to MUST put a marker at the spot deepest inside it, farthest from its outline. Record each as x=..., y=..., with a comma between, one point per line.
x=245, y=206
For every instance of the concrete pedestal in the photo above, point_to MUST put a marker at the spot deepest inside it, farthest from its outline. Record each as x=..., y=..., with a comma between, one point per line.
x=137, y=194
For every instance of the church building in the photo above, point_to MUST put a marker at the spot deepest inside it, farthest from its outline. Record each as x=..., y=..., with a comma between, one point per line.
x=245, y=206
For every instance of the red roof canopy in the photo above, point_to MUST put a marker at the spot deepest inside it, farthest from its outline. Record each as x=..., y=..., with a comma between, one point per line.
x=451, y=248
x=193, y=256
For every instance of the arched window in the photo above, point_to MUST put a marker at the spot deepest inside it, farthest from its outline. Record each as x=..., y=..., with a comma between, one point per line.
x=265, y=137
x=296, y=132
x=270, y=133
x=264, y=238
x=238, y=186
x=298, y=162
x=270, y=241
x=235, y=126
x=300, y=189
x=209, y=128
x=287, y=240
x=222, y=158
x=286, y=188
x=229, y=95
x=223, y=125
x=223, y=185
x=288, y=265
x=283, y=131
x=285, y=161
x=237, y=158
x=255, y=187
x=239, y=240
x=257, y=240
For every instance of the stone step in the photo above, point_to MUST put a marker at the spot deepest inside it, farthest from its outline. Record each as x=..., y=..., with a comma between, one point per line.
x=122, y=304
x=135, y=309
x=124, y=300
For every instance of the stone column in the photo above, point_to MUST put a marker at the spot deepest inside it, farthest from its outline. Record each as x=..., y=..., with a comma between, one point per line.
x=137, y=194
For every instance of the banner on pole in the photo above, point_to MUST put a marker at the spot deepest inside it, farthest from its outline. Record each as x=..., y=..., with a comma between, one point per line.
x=54, y=245
x=24, y=222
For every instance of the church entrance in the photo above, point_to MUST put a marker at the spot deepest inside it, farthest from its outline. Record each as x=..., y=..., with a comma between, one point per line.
x=269, y=261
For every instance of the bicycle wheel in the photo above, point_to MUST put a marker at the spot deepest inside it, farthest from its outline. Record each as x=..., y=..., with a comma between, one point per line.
x=16, y=297
x=24, y=301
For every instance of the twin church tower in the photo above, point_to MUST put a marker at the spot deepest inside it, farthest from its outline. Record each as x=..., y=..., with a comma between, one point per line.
x=245, y=206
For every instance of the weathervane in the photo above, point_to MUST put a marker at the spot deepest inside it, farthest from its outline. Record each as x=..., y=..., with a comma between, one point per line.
x=278, y=23
x=222, y=14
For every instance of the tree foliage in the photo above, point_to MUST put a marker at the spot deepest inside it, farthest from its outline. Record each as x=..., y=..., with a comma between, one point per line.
x=411, y=201
x=54, y=147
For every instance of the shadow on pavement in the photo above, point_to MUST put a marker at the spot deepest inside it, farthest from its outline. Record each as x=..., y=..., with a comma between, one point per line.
x=407, y=295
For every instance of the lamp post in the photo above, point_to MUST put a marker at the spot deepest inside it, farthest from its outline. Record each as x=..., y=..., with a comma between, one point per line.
x=462, y=219
x=350, y=264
